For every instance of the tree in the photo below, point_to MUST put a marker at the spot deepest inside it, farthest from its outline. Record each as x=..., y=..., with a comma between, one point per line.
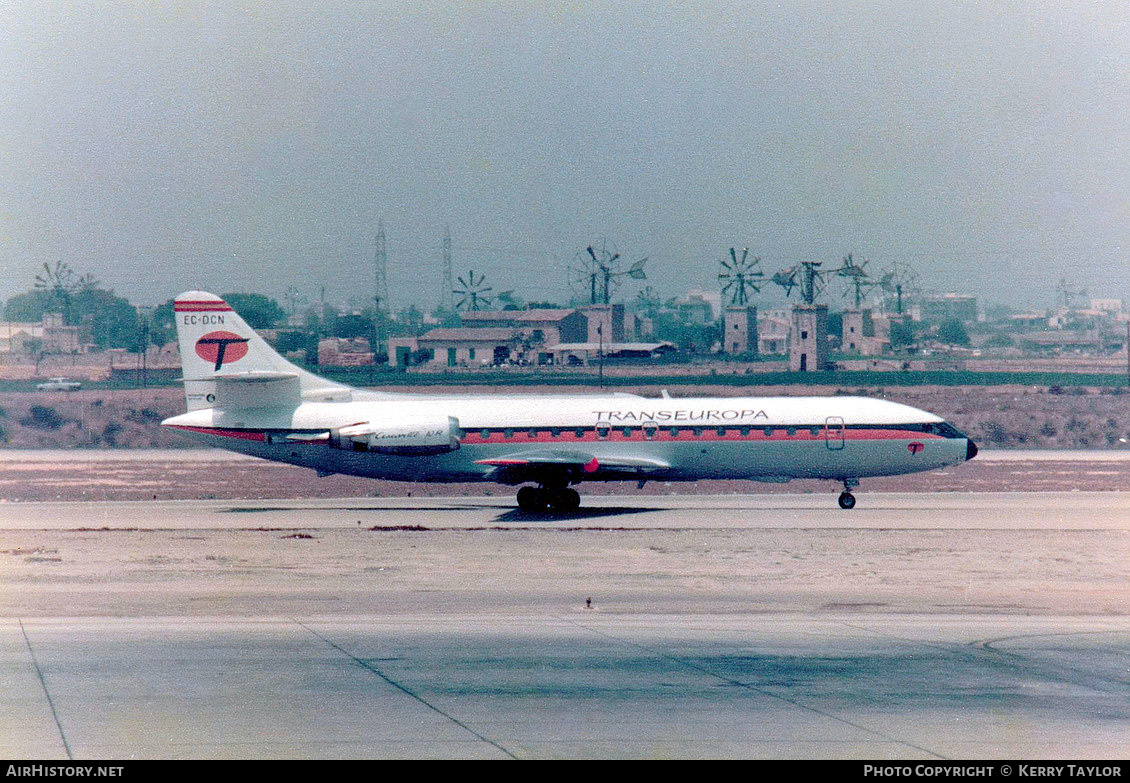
x=163, y=329
x=902, y=334
x=953, y=332
x=61, y=284
x=112, y=320
x=28, y=307
x=352, y=325
x=260, y=312
x=696, y=338
x=109, y=321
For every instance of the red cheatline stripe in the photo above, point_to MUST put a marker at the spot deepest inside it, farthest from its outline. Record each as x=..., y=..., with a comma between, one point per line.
x=240, y=434
x=201, y=307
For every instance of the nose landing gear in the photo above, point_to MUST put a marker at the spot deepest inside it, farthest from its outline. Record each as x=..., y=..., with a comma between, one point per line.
x=847, y=500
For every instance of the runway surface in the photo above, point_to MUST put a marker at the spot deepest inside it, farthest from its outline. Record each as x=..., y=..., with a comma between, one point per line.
x=915, y=626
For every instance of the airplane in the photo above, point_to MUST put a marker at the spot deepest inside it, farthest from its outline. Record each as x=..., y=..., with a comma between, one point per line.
x=243, y=396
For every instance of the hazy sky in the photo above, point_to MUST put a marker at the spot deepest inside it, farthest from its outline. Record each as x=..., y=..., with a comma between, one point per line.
x=254, y=146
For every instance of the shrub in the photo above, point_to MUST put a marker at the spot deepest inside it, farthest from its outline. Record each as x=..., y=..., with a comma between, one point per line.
x=111, y=432
x=44, y=418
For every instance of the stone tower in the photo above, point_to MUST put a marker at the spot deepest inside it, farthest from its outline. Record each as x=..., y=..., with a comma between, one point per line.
x=808, y=343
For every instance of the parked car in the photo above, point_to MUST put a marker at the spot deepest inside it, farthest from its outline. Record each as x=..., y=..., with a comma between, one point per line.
x=58, y=384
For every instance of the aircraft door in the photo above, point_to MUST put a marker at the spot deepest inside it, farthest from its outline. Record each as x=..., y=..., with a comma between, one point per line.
x=834, y=432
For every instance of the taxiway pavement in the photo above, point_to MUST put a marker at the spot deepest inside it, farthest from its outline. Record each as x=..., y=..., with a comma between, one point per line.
x=915, y=626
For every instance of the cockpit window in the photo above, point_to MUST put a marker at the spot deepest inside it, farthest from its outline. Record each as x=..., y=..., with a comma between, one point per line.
x=943, y=428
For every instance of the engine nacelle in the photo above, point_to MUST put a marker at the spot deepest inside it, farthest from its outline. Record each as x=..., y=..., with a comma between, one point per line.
x=405, y=437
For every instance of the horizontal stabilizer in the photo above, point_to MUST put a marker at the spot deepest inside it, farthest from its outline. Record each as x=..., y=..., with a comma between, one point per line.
x=254, y=376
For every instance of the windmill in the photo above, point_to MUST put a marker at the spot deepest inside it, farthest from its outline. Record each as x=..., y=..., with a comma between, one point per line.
x=740, y=276
x=856, y=275
x=598, y=273
x=472, y=292
x=1067, y=294
x=900, y=281
x=60, y=283
x=806, y=276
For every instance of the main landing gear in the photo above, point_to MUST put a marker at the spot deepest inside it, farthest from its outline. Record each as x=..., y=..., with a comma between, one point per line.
x=541, y=499
x=847, y=500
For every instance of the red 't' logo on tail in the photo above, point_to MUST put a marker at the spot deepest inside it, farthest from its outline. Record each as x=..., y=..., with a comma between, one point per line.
x=221, y=348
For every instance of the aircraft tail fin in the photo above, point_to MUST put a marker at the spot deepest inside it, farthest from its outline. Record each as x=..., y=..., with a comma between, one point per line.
x=227, y=365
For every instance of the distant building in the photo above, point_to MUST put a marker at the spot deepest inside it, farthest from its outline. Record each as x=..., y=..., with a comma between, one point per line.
x=1088, y=342
x=49, y=336
x=536, y=328
x=608, y=323
x=865, y=334
x=468, y=347
x=590, y=353
x=344, y=352
x=773, y=333
x=1111, y=306
x=948, y=307
x=739, y=330
x=808, y=346
x=695, y=308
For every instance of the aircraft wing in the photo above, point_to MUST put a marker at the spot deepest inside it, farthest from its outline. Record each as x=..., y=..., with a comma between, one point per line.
x=535, y=461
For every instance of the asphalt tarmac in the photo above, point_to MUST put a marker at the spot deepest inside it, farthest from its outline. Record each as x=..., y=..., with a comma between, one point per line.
x=916, y=626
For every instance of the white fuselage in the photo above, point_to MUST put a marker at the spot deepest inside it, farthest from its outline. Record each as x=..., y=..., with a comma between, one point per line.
x=760, y=438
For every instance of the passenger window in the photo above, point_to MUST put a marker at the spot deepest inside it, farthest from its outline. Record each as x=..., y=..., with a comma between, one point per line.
x=603, y=429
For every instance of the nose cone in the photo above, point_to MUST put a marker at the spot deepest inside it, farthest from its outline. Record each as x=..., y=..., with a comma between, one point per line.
x=970, y=450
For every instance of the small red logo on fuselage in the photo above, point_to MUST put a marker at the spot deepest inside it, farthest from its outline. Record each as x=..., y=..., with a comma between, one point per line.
x=915, y=447
x=221, y=348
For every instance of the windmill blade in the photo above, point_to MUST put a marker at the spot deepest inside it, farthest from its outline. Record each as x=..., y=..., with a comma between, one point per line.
x=786, y=279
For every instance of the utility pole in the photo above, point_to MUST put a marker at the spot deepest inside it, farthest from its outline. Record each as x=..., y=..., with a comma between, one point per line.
x=448, y=300
x=380, y=290
x=600, y=352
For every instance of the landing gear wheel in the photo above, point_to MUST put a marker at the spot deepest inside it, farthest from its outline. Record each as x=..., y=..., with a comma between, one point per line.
x=531, y=499
x=847, y=500
x=565, y=500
